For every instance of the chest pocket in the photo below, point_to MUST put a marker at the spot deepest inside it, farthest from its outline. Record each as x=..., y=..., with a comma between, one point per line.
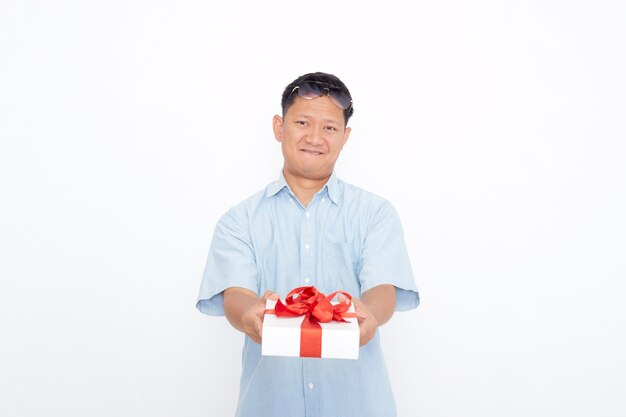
x=340, y=265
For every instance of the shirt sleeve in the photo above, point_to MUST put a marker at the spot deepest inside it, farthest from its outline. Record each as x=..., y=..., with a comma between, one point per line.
x=231, y=263
x=384, y=258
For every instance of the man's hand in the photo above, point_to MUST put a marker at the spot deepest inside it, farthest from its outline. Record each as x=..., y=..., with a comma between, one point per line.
x=252, y=318
x=367, y=321
x=244, y=310
x=374, y=309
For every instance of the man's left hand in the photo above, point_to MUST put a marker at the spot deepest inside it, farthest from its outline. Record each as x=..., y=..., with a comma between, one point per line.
x=367, y=321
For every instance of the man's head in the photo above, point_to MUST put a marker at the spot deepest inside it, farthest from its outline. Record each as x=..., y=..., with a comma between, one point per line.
x=315, y=84
x=312, y=131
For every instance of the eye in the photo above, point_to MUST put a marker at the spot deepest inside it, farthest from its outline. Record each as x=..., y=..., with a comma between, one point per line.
x=302, y=123
x=331, y=128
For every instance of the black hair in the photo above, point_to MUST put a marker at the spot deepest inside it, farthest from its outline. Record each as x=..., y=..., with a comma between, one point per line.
x=319, y=77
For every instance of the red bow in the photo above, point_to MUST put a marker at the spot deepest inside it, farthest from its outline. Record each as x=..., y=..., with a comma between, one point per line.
x=317, y=308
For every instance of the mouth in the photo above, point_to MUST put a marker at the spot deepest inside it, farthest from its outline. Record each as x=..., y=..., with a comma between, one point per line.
x=311, y=152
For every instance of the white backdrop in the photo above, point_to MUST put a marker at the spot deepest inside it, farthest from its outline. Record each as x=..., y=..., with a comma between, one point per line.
x=496, y=128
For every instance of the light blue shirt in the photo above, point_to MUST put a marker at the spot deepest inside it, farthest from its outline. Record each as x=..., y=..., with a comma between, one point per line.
x=345, y=239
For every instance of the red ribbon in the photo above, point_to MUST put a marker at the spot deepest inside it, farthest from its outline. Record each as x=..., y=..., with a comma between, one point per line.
x=317, y=308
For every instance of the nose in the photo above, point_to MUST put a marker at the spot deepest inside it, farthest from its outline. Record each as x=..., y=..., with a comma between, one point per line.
x=315, y=137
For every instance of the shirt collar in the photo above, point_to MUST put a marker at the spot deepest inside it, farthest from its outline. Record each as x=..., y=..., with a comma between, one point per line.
x=277, y=185
x=332, y=186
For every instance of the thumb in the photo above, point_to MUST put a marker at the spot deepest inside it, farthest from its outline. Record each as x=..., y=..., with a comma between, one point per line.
x=269, y=294
x=360, y=316
x=358, y=307
x=260, y=307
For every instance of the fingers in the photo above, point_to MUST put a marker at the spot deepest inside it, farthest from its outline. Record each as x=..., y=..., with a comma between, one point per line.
x=259, y=308
x=360, y=309
x=252, y=323
x=254, y=316
x=367, y=330
x=367, y=322
x=258, y=327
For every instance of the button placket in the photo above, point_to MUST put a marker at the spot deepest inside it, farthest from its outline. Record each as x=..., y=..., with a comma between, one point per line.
x=310, y=383
x=307, y=254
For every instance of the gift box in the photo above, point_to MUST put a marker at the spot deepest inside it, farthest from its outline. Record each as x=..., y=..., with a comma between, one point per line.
x=310, y=324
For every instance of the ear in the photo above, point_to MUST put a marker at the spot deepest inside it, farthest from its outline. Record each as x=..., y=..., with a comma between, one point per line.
x=277, y=125
x=346, y=135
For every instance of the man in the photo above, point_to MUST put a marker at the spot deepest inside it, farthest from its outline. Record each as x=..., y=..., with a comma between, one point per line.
x=310, y=228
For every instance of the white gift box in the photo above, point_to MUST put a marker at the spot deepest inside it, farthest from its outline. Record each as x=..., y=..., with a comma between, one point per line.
x=281, y=336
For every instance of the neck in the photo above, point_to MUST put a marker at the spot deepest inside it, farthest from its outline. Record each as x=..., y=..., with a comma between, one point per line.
x=304, y=188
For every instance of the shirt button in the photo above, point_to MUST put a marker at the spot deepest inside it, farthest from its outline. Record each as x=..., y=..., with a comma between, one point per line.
x=307, y=214
x=323, y=199
x=307, y=246
x=291, y=200
x=306, y=280
x=311, y=385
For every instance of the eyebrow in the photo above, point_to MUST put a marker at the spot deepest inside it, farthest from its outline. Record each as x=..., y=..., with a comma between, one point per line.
x=306, y=116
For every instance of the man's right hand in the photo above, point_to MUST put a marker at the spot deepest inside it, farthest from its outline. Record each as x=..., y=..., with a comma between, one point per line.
x=245, y=311
x=252, y=318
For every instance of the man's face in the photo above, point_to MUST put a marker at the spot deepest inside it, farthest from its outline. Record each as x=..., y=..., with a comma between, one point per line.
x=311, y=134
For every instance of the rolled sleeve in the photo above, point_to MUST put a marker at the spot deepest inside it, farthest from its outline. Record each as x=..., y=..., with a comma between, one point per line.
x=385, y=260
x=230, y=263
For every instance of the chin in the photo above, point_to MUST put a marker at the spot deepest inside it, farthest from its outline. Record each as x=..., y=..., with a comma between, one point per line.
x=317, y=175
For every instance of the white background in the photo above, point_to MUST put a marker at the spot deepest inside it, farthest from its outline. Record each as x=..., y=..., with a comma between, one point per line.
x=496, y=128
